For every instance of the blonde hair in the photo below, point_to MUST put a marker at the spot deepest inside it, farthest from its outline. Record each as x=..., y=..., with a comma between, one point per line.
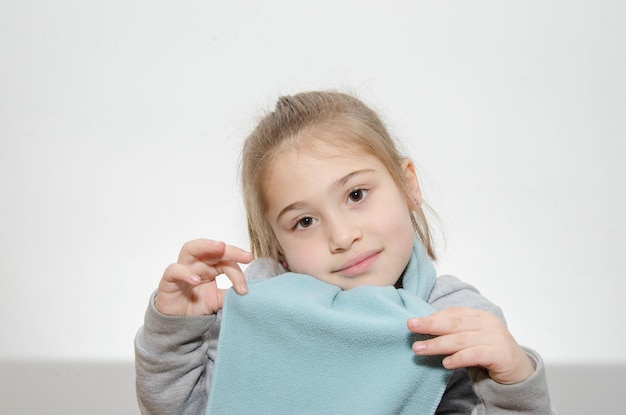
x=302, y=120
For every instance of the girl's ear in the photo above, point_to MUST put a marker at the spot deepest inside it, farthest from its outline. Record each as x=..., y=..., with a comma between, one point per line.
x=412, y=184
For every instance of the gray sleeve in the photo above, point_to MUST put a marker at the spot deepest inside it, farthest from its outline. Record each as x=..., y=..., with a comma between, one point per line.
x=174, y=357
x=449, y=291
x=473, y=386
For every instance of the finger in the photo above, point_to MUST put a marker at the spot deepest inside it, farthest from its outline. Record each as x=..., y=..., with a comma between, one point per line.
x=232, y=270
x=449, y=344
x=200, y=249
x=212, y=252
x=208, y=269
x=235, y=254
x=177, y=273
x=221, y=294
x=464, y=350
x=475, y=356
x=236, y=277
x=507, y=366
x=451, y=320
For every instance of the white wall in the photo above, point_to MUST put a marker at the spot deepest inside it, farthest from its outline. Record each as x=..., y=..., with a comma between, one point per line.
x=120, y=124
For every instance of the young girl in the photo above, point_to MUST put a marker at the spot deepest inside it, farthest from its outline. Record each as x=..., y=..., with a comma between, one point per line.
x=333, y=210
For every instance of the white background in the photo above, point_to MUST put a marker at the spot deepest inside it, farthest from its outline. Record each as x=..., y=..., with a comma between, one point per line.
x=121, y=123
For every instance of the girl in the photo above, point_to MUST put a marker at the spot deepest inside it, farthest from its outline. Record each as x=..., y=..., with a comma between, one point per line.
x=331, y=204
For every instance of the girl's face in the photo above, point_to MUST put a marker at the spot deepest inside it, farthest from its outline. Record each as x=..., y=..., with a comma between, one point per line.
x=340, y=217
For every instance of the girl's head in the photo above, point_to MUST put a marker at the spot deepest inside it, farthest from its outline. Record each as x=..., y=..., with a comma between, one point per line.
x=335, y=129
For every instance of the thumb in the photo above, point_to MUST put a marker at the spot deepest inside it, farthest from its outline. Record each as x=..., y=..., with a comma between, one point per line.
x=221, y=294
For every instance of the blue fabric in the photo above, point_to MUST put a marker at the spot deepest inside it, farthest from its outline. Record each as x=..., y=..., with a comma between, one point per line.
x=297, y=345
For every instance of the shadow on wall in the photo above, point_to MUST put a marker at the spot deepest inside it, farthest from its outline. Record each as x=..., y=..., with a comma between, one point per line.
x=57, y=388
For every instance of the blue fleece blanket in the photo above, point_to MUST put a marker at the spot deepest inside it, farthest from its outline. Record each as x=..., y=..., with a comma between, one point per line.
x=297, y=345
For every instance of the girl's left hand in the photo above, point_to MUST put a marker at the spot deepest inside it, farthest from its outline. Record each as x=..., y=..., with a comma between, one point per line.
x=472, y=337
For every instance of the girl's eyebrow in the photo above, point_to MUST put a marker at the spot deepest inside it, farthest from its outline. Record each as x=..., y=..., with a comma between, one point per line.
x=342, y=181
x=335, y=185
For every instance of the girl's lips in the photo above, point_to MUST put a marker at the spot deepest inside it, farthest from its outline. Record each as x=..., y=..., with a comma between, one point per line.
x=359, y=263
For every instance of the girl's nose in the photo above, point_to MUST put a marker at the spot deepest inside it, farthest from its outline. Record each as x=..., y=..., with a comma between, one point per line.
x=342, y=235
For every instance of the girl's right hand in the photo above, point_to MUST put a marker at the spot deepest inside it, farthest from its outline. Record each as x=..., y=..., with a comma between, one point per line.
x=188, y=287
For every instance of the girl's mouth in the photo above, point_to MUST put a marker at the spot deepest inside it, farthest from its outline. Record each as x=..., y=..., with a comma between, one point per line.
x=359, y=264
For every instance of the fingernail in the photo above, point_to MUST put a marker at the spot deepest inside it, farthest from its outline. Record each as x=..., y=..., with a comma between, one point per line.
x=415, y=323
x=196, y=279
x=242, y=289
x=419, y=347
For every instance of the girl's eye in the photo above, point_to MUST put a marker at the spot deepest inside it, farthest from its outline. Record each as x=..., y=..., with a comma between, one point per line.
x=357, y=195
x=304, y=222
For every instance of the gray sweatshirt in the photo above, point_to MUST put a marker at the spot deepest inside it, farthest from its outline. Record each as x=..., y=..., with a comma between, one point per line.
x=174, y=358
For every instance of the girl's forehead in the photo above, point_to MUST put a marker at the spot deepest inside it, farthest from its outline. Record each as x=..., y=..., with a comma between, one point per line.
x=322, y=153
x=325, y=145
